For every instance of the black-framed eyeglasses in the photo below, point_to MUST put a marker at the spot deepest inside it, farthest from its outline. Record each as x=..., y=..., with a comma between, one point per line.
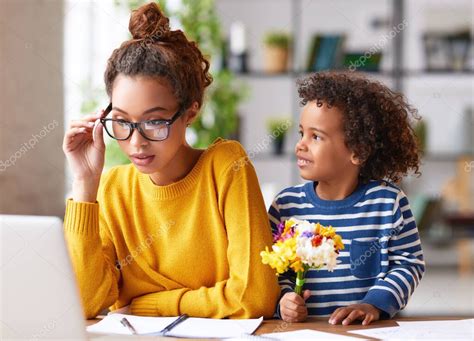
x=152, y=130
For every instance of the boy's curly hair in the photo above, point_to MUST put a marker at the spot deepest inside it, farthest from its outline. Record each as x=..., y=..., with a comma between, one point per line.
x=376, y=122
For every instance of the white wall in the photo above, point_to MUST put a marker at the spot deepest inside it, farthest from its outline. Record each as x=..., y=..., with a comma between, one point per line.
x=31, y=98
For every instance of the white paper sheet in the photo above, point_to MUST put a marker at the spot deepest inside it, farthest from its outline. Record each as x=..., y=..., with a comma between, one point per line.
x=143, y=325
x=191, y=327
x=433, y=330
x=212, y=328
x=307, y=334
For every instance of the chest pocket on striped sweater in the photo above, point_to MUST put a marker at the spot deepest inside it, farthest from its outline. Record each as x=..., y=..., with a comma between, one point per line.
x=365, y=258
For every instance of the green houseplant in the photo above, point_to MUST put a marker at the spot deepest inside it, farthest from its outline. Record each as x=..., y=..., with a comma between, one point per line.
x=277, y=129
x=277, y=46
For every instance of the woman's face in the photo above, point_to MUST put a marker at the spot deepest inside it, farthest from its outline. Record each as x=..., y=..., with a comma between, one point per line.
x=139, y=98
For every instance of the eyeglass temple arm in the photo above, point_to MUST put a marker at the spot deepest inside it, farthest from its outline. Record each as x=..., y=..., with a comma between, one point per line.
x=107, y=110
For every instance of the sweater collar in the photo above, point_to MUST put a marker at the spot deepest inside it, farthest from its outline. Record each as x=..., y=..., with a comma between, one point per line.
x=349, y=201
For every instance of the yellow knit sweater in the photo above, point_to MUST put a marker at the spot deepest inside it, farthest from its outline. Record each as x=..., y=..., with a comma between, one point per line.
x=190, y=247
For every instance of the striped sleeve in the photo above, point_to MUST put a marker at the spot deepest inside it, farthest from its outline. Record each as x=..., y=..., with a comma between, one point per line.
x=286, y=280
x=405, y=262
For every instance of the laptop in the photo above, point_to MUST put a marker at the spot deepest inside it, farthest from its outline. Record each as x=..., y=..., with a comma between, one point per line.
x=38, y=292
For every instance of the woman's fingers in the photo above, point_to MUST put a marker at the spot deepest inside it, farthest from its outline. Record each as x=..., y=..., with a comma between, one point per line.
x=70, y=138
x=98, y=134
x=81, y=123
x=75, y=131
x=86, y=119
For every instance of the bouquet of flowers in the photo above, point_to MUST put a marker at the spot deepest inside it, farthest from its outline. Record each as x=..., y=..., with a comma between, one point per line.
x=300, y=245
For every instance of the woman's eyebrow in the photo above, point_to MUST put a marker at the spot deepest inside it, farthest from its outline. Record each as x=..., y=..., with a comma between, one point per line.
x=144, y=113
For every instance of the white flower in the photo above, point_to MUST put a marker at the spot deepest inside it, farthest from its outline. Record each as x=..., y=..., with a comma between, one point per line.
x=319, y=256
x=304, y=226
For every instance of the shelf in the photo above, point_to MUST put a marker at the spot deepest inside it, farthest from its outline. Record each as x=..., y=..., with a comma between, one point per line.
x=403, y=73
x=296, y=74
x=445, y=157
x=416, y=73
x=430, y=157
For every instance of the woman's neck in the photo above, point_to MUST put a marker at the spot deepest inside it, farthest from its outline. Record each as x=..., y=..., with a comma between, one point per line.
x=176, y=170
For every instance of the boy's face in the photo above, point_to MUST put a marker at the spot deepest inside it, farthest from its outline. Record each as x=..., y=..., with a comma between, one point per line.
x=321, y=151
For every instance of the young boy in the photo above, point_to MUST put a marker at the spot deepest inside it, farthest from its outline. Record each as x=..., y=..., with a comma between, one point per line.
x=355, y=137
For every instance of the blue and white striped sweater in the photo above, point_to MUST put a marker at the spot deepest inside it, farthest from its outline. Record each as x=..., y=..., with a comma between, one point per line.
x=382, y=262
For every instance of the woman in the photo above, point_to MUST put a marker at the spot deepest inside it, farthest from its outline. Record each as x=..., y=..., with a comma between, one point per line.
x=180, y=229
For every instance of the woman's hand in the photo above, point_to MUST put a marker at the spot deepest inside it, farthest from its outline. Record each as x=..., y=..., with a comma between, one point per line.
x=293, y=307
x=355, y=312
x=85, y=150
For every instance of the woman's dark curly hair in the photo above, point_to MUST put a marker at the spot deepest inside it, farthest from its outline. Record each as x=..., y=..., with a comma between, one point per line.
x=376, y=122
x=157, y=51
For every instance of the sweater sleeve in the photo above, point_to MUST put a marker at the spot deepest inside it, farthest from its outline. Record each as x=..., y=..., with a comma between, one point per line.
x=92, y=255
x=405, y=263
x=251, y=289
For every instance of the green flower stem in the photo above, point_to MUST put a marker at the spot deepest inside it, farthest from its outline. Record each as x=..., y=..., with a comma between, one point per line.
x=300, y=279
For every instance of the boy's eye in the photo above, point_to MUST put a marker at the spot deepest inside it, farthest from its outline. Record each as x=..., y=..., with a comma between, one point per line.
x=300, y=133
x=316, y=137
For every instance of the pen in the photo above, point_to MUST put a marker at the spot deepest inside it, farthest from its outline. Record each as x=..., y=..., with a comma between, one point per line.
x=127, y=324
x=174, y=324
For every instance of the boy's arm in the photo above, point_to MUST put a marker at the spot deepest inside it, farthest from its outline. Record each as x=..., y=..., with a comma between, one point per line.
x=405, y=263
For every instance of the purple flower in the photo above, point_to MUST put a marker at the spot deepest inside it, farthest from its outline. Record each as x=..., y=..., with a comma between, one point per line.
x=280, y=229
x=307, y=234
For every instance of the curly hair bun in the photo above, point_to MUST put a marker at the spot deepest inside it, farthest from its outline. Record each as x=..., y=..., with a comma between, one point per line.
x=148, y=21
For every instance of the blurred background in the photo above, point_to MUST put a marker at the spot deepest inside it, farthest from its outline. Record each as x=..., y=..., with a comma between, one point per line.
x=53, y=55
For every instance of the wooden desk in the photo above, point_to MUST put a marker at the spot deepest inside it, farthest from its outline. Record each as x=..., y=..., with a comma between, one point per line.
x=319, y=324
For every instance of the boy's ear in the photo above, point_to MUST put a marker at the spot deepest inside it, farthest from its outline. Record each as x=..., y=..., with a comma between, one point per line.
x=356, y=161
x=191, y=113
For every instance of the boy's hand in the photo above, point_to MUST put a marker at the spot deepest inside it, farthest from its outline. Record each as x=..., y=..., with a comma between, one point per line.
x=293, y=307
x=355, y=312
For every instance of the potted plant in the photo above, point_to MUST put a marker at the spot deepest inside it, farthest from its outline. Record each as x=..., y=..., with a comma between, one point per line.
x=420, y=131
x=276, y=51
x=277, y=129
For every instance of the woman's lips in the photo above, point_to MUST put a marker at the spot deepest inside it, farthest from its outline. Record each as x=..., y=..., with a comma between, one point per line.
x=142, y=160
